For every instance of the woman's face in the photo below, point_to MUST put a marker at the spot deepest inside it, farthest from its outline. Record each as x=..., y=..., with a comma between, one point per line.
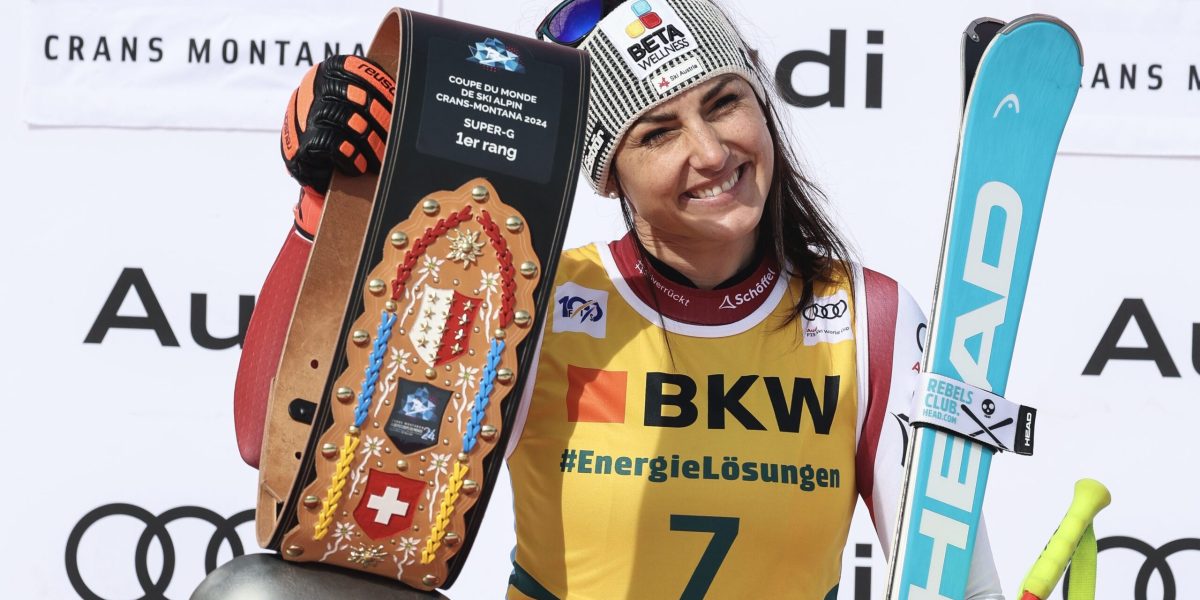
x=697, y=169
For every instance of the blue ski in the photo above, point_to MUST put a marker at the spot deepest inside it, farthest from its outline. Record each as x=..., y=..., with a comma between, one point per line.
x=1015, y=113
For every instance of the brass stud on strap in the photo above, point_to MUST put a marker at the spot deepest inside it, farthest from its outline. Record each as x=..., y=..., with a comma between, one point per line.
x=402, y=465
x=463, y=457
x=311, y=502
x=360, y=337
x=498, y=334
x=391, y=307
x=430, y=206
x=431, y=373
x=479, y=193
x=529, y=268
x=294, y=551
x=353, y=430
x=504, y=375
x=470, y=487
x=376, y=286
x=514, y=224
x=329, y=451
x=487, y=432
x=521, y=317
x=451, y=539
x=399, y=240
x=430, y=580
x=344, y=394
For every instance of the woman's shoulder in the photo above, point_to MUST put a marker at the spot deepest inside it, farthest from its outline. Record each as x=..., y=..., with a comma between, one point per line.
x=580, y=261
x=874, y=283
x=859, y=281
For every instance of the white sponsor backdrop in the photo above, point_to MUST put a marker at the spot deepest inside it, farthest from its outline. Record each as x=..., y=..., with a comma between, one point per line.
x=184, y=183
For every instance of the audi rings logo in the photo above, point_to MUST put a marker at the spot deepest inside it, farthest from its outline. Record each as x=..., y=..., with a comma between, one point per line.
x=1156, y=562
x=156, y=529
x=831, y=310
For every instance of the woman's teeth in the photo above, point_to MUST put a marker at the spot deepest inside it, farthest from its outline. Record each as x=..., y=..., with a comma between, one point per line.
x=724, y=187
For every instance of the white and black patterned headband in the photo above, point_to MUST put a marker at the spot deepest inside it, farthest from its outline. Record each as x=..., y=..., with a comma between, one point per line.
x=644, y=53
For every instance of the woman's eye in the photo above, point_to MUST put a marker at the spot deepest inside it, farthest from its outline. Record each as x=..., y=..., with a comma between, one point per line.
x=652, y=137
x=726, y=101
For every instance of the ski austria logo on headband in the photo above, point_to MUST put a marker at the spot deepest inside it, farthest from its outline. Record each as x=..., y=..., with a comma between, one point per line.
x=678, y=74
x=827, y=320
x=581, y=310
x=647, y=35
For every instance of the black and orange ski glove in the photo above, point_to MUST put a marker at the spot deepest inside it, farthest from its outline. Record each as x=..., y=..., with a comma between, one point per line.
x=338, y=118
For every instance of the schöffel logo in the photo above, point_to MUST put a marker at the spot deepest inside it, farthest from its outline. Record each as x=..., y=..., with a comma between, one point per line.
x=827, y=320
x=580, y=310
x=656, y=32
x=494, y=55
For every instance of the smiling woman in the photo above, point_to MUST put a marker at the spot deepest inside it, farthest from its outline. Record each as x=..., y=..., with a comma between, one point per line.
x=733, y=343
x=696, y=172
x=725, y=369
x=692, y=118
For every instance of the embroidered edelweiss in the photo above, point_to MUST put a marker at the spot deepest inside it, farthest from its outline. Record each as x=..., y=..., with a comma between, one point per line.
x=464, y=246
x=367, y=556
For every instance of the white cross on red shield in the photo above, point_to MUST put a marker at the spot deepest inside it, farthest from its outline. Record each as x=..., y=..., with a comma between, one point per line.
x=388, y=504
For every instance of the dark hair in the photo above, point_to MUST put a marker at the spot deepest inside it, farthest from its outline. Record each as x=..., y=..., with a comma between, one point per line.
x=794, y=224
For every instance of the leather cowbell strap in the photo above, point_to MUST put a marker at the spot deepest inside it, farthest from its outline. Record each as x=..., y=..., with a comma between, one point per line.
x=404, y=358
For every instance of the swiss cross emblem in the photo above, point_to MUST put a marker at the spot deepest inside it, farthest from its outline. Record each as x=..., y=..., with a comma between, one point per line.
x=442, y=329
x=388, y=504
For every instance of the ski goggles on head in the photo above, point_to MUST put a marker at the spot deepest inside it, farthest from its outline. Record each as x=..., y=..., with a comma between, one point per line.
x=569, y=22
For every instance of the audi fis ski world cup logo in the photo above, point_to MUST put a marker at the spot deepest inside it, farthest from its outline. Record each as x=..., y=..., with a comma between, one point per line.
x=494, y=55
x=653, y=34
x=834, y=310
x=827, y=319
x=153, y=533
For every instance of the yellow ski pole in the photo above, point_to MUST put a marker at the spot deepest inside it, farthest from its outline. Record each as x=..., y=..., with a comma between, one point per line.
x=1074, y=542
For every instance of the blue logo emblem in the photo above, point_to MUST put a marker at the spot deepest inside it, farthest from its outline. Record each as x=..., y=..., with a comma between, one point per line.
x=493, y=54
x=585, y=311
